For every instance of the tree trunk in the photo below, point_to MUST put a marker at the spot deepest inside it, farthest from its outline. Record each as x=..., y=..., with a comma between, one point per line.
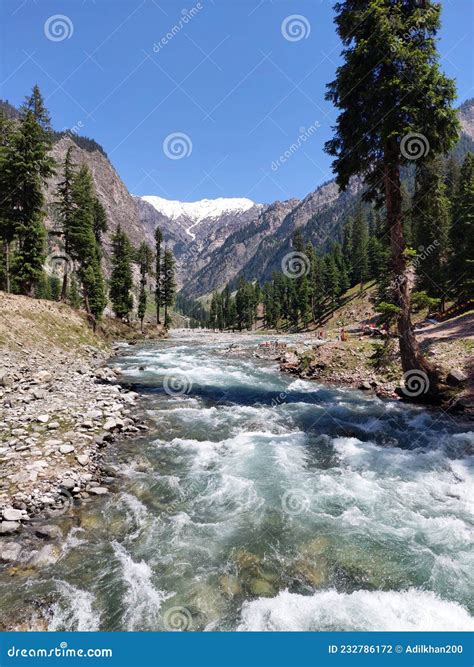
x=7, y=265
x=65, y=276
x=412, y=359
x=64, y=287
x=86, y=303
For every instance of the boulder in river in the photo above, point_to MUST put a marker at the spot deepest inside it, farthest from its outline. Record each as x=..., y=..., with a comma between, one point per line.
x=9, y=552
x=9, y=527
x=49, y=532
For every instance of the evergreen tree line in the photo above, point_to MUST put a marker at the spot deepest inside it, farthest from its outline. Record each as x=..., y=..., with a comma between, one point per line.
x=439, y=232
x=80, y=222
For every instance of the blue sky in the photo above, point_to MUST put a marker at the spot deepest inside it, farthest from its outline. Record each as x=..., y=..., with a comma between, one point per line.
x=239, y=85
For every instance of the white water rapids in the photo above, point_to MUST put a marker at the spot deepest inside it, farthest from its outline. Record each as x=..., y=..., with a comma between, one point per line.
x=261, y=502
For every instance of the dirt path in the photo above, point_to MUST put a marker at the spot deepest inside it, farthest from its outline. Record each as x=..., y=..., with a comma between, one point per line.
x=458, y=327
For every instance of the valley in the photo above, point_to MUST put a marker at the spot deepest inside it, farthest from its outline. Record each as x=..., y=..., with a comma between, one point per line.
x=252, y=502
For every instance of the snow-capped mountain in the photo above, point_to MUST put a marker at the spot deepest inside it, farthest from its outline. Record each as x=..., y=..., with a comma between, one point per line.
x=195, y=230
x=197, y=211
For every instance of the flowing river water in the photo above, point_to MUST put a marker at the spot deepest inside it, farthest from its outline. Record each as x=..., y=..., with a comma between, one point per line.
x=257, y=501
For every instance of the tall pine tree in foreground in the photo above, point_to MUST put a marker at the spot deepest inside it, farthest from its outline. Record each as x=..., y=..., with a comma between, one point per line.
x=26, y=165
x=121, y=280
x=388, y=87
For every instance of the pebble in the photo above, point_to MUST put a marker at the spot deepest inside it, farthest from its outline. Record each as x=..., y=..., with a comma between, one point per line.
x=66, y=449
x=83, y=459
x=98, y=490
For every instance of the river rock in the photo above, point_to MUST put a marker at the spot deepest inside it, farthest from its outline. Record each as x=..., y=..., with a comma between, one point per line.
x=42, y=376
x=261, y=588
x=68, y=484
x=9, y=527
x=10, y=514
x=66, y=449
x=98, y=490
x=52, y=443
x=230, y=585
x=42, y=419
x=5, y=379
x=47, y=555
x=110, y=424
x=49, y=532
x=456, y=377
x=9, y=552
x=83, y=459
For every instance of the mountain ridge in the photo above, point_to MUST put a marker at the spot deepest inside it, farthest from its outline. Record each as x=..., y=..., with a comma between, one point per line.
x=216, y=241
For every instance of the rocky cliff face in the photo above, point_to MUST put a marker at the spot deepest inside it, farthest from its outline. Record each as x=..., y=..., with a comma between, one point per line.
x=238, y=249
x=466, y=116
x=119, y=204
x=196, y=231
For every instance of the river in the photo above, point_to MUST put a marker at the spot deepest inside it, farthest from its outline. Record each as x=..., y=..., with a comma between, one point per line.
x=257, y=501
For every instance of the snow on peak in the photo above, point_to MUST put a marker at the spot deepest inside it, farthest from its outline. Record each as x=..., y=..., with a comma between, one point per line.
x=199, y=210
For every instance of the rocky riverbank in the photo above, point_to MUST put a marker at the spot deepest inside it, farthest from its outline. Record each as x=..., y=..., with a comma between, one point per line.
x=358, y=363
x=58, y=413
x=60, y=407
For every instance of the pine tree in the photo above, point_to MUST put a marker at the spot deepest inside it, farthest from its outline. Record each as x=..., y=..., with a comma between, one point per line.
x=347, y=245
x=158, y=287
x=344, y=280
x=100, y=225
x=74, y=297
x=7, y=227
x=55, y=287
x=168, y=283
x=245, y=305
x=451, y=179
x=462, y=234
x=431, y=222
x=331, y=280
x=144, y=259
x=390, y=64
x=34, y=167
x=121, y=281
x=317, y=286
x=83, y=245
x=65, y=208
x=360, y=239
x=25, y=167
x=34, y=103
